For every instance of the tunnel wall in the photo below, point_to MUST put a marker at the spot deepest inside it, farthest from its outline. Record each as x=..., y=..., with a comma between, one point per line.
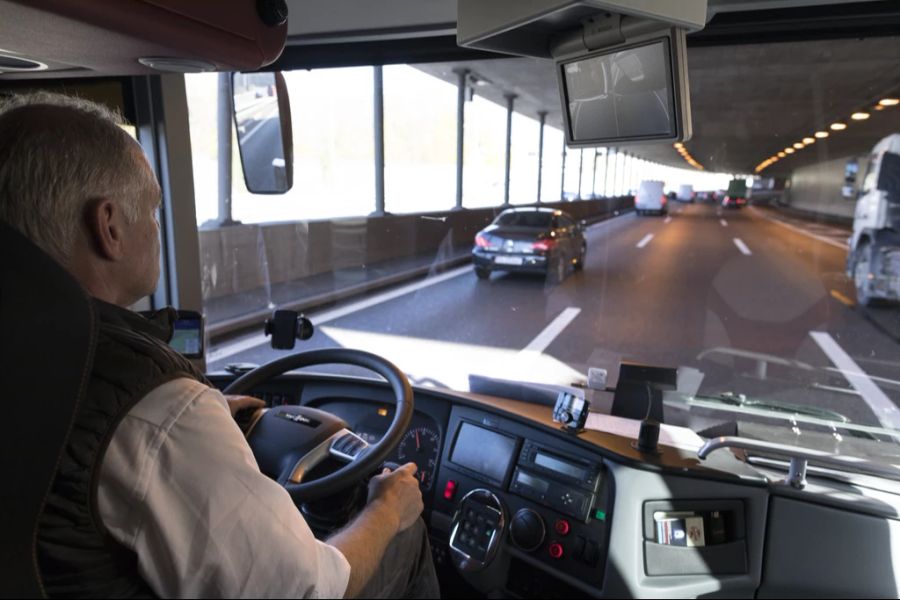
x=817, y=188
x=241, y=258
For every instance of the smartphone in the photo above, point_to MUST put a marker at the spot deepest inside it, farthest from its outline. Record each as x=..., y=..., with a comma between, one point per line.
x=188, y=336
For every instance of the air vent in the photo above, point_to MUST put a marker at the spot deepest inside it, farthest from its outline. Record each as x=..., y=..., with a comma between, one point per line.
x=8, y=62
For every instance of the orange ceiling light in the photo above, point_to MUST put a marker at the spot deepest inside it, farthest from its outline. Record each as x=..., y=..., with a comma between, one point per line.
x=838, y=126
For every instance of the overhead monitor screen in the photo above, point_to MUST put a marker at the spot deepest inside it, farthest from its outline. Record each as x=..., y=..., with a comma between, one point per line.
x=627, y=93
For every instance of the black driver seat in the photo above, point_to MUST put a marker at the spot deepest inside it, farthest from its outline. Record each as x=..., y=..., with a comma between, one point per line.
x=49, y=331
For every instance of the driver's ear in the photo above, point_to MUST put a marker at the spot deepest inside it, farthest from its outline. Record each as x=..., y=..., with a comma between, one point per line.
x=105, y=228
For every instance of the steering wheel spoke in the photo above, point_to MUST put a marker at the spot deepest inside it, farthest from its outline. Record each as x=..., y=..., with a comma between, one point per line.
x=347, y=446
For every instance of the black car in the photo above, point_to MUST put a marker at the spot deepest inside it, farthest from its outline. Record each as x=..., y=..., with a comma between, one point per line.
x=535, y=240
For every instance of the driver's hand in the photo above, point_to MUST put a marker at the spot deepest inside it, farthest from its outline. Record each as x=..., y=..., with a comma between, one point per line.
x=399, y=492
x=237, y=403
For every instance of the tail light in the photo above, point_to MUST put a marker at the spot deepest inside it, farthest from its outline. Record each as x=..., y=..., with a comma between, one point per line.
x=543, y=245
x=481, y=241
x=663, y=199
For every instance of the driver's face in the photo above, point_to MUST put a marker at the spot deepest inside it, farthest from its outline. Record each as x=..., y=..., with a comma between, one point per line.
x=142, y=254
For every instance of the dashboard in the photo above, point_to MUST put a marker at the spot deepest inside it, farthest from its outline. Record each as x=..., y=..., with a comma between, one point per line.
x=516, y=507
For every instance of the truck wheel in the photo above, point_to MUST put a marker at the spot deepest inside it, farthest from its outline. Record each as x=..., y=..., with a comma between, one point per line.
x=861, y=269
x=482, y=273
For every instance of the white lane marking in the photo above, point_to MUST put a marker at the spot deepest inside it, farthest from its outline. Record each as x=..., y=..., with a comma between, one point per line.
x=645, y=241
x=742, y=246
x=723, y=222
x=885, y=410
x=246, y=137
x=551, y=331
x=668, y=220
x=821, y=238
x=321, y=318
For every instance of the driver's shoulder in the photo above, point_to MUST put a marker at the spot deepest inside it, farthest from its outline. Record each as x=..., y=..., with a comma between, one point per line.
x=165, y=405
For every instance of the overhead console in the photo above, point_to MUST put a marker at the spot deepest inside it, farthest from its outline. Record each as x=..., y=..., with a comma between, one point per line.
x=621, y=66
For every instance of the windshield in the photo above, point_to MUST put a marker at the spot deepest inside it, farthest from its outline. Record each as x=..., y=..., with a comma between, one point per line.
x=774, y=299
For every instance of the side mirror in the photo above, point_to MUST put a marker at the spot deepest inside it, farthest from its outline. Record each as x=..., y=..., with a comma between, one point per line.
x=262, y=119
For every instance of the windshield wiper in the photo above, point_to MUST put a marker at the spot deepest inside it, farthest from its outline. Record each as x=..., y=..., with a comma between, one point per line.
x=792, y=413
x=733, y=399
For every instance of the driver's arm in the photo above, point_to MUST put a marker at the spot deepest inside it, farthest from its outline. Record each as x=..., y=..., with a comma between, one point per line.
x=180, y=487
x=395, y=503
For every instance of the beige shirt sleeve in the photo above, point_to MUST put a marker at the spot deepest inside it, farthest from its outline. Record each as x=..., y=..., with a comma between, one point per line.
x=180, y=486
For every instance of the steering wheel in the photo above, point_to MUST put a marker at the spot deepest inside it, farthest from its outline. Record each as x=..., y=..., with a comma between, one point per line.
x=290, y=441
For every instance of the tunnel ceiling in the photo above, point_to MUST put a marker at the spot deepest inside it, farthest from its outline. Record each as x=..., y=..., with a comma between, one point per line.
x=747, y=101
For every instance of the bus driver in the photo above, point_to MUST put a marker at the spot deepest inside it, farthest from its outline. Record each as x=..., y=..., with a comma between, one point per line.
x=183, y=509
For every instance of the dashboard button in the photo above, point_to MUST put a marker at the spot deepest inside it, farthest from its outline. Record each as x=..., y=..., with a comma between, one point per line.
x=591, y=553
x=450, y=490
x=562, y=527
x=556, y=550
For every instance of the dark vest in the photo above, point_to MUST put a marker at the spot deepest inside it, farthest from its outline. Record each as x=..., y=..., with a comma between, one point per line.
x=76, y=555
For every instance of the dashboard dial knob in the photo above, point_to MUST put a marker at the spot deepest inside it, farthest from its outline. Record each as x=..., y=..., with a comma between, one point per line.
x=527, y=530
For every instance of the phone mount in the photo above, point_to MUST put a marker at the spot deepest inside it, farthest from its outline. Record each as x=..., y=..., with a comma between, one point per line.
x=571, y=412
x=286, y=327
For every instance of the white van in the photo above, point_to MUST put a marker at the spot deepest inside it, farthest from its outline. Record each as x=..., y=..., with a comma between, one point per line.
x=685, y=193
x=650, y=198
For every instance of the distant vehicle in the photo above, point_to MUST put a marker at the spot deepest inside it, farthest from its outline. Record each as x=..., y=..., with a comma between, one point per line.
x=685, y=193
x=736, y=195
x=874, y=257
x=706, y=196
x=533, y=240
x=651, y=198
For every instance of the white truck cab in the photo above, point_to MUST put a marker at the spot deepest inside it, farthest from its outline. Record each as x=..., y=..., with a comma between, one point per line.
x=874, y=257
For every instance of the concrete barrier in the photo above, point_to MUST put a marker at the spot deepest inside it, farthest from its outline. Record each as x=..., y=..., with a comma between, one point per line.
x=244, y=259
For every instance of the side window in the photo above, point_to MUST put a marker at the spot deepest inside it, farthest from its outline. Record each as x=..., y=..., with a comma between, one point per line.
x=871, y=174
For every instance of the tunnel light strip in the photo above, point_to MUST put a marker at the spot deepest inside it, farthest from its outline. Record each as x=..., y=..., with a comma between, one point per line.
x=680, y=148
x=858, y=116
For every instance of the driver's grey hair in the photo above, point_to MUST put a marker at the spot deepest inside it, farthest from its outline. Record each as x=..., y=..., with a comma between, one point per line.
x=57, y=154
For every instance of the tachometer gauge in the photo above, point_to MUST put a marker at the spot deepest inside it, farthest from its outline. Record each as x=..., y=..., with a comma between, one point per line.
x=421, y=446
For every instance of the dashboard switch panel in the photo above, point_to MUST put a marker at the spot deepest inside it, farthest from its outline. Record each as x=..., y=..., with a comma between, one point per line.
x=477, y=530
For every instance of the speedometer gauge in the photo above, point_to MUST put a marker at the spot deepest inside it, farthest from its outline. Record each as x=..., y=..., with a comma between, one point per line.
x=421, y=446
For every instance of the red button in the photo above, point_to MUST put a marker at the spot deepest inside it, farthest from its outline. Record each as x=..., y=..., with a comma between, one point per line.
x=450, y=490
x=562, y=527
x=556, y=550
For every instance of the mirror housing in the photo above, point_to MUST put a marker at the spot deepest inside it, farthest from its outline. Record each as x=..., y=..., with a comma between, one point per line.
x=262, y=120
